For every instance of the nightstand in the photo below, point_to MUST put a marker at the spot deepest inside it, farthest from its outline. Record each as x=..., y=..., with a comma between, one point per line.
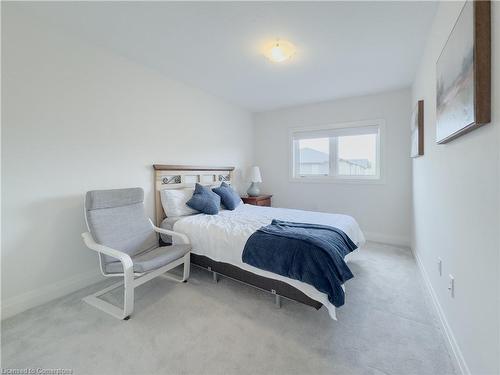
x=261, y=200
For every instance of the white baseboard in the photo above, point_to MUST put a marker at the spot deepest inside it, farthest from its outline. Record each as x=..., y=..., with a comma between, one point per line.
x=20, y=303
x=387, y=239
x=451, y=342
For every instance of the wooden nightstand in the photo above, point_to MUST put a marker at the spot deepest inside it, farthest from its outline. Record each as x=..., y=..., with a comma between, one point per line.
x=261, y=200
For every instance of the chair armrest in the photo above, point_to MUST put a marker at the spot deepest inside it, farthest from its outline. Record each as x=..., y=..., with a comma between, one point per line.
x=120, y=255
x=180, y=237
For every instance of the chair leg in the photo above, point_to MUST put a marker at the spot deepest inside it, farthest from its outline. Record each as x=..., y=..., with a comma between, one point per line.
x=128, y=305
x=128, y=296
x=187, y=267
x=128, y=293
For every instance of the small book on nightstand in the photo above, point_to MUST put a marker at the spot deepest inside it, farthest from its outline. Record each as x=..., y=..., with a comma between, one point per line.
x=261, y=200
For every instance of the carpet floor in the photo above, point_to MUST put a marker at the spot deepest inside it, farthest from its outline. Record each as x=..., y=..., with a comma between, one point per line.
x=387, y=326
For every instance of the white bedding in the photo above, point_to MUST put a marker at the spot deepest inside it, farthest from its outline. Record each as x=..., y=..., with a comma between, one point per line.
x=222, y=237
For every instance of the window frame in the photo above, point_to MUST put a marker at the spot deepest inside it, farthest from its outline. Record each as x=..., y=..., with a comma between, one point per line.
x=333, y=177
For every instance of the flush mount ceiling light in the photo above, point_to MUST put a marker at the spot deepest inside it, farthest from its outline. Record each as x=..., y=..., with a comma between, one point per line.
x=279, y=51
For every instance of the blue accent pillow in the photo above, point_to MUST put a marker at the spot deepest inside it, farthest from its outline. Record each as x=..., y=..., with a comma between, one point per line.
x=230, y=199
x=204, y=200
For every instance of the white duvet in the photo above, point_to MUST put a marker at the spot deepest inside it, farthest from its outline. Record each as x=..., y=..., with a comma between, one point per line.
x=222, y=237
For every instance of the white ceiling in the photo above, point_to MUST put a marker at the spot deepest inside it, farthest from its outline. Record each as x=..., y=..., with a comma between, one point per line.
x=344, y=48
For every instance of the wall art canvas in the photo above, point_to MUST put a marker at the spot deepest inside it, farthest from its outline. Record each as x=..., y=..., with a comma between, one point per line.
x=417, y=130
x=463, y=74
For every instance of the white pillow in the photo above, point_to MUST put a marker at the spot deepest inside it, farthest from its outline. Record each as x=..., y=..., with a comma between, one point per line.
x=174, y=202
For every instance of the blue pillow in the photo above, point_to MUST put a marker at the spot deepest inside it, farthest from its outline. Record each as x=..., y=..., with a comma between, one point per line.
x=204, y=200
x=230, y=199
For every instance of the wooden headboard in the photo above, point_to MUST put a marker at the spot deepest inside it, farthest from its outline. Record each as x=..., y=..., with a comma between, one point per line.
x=185, y=176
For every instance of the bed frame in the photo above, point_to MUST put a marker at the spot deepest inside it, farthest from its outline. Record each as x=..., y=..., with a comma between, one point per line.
x=183, y=176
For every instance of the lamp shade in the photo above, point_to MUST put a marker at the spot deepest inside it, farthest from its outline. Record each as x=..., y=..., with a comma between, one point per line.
x=255, y=174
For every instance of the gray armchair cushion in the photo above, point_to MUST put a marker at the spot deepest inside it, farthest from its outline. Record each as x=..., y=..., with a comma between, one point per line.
x=152, y=259
x=116, y=219
x=97, y=199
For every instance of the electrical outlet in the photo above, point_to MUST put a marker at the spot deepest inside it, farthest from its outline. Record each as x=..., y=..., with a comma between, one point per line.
x=451, y=286
x=440, y=266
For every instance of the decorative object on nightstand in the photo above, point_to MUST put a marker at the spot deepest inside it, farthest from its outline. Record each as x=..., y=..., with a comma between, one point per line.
x=261, y=200
x=255, y=178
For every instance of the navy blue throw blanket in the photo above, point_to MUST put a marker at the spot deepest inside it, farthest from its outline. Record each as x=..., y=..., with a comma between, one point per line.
x=311, y=253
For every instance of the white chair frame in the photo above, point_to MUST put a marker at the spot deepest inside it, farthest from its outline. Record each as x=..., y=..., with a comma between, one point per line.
x=131, y=279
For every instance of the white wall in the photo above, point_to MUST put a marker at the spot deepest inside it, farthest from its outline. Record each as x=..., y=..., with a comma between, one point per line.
x=77, y=118
x=456, y=211
x=383, y=210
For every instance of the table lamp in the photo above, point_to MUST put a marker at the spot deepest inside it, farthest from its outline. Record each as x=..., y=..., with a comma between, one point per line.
x=255, y=178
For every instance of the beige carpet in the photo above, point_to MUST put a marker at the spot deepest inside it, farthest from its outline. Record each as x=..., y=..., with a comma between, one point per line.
x=387, y=326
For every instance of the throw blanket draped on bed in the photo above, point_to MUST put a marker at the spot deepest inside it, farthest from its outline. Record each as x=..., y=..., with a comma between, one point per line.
x=311, y=253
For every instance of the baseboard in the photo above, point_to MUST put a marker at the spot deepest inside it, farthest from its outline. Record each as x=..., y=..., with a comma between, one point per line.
x=17, y=304
x=450, y=340
x=387, y=239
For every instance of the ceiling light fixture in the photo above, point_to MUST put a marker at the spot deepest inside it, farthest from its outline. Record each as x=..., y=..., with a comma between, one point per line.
x=279, y=51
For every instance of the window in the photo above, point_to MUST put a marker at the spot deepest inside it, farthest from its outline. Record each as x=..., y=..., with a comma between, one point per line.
x=343, y=152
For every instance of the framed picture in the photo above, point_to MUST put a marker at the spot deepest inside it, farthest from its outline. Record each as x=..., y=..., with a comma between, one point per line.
x=417, y=130
x=464, y=74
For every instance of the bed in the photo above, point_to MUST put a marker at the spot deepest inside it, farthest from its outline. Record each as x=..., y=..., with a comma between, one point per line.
x=218, y=240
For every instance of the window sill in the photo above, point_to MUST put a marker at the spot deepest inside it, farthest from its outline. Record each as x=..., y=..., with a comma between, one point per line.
x=332, y=180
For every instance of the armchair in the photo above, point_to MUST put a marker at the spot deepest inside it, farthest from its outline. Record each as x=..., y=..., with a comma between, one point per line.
x=127, y=244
